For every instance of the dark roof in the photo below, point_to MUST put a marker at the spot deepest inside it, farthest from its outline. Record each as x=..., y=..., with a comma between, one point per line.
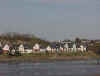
x=57, y=45
x=42, y=47
x=27, y=46
x=53, y=46
x=62, y=45
x=70, y=45
x=77, y=46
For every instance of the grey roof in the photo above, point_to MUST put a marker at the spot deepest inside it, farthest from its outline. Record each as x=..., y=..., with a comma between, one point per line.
x=28, y=46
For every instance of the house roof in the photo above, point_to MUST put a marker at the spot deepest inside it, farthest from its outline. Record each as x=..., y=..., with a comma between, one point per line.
x=70, y=45
x=27, y=46
x=57, y=45
x=42, y=47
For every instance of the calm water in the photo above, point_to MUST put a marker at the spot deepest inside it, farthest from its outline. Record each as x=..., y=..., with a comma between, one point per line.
x=55, y=68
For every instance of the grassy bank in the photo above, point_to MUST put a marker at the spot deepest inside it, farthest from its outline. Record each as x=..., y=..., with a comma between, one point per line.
x=39, y=58
x=49, y=56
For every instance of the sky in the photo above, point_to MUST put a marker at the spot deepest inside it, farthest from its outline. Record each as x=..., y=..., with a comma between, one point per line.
x=51, y=19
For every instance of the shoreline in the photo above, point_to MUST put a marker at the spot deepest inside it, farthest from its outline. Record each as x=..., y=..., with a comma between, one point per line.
x=42, y=58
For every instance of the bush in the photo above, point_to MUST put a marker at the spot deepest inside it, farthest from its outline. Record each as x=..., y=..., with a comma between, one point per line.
x=17, y=53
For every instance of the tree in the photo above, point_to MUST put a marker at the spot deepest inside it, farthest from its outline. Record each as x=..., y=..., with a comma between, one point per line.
x=78, y=41
x=13, y=37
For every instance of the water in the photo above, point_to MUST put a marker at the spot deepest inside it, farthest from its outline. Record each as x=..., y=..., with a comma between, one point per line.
x=55, y=68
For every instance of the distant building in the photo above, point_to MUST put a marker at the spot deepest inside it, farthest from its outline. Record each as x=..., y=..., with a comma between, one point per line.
x=6, y=49
x=36, y=47
x=66, y=46
x=72, y=47
x=21, y=48
x=49, y=48
x=28, y=48
x=42, y=49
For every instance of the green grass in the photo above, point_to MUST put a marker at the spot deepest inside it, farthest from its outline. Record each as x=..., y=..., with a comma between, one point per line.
x=90, y=54
x=49, y=56
x=69, y=54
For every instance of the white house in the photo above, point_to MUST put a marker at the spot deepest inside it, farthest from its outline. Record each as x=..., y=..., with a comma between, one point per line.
x=74, y=48
x=54, y=49
x=82, y=48
x=49, y=48
x=36, y=47
x=66, y=47
x=13, y=51
x=21, y=48
x=28, y=50
x=61, y=48
x=42, y=49
x=6, y=49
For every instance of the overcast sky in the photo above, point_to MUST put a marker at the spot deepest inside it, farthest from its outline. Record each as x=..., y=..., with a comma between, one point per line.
x=51, y=19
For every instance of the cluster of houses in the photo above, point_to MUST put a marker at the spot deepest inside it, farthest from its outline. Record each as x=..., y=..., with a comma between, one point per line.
x=53, y=47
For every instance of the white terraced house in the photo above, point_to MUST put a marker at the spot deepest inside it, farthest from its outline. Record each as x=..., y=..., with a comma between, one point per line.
x=36, y=47
x=6, y=48
x=74, y=47
x=21, y=48
x=49, y=48
x=66, y=47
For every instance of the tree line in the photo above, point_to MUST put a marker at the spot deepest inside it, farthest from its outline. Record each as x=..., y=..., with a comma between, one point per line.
x=22, y=38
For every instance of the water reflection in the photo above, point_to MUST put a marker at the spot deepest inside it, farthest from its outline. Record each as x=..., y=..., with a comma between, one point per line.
x=55, y=68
